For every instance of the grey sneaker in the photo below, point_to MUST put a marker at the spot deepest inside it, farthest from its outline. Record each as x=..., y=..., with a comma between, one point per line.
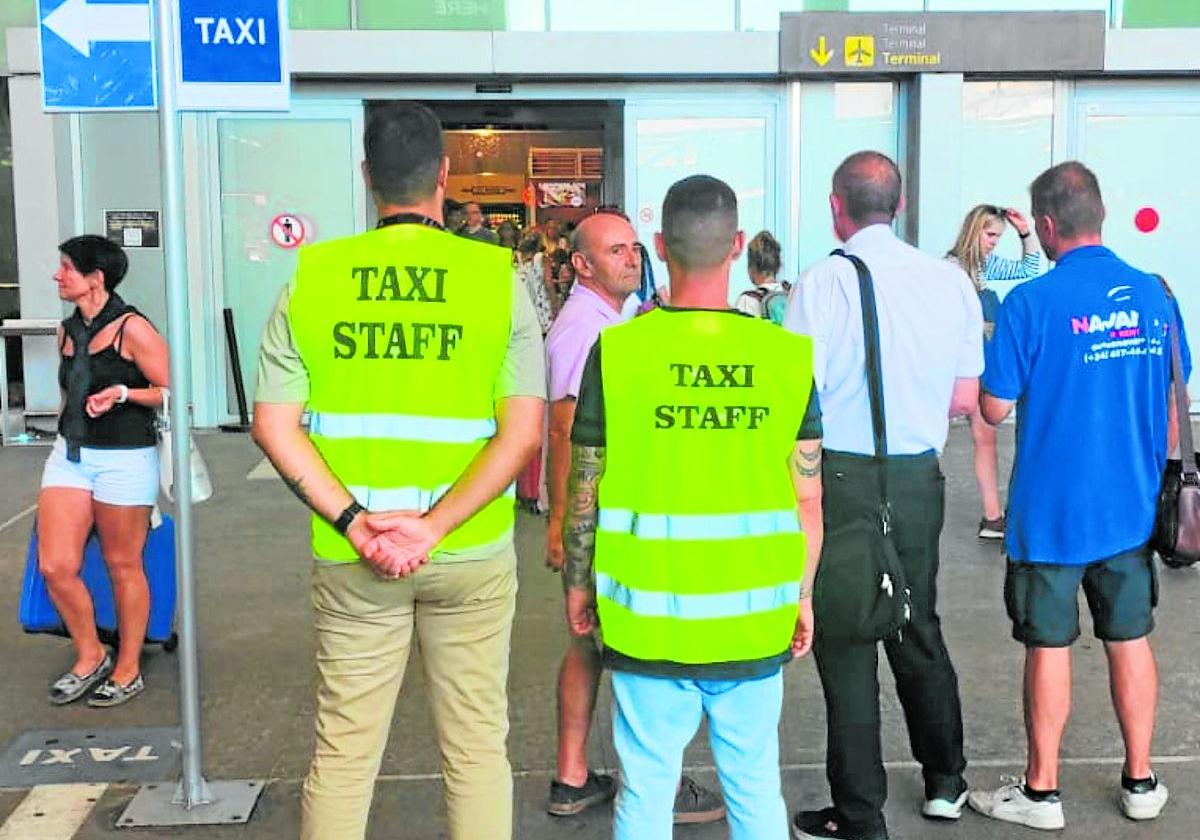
x=111, y=694
x=1010, y=804
x=696, y=804
x=70, y=686
x=1143, y=800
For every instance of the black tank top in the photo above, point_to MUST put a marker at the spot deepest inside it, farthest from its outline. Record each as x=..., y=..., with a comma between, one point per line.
x=126, y=426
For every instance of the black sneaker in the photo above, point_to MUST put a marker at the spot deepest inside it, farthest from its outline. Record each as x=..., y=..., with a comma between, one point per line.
x=696, y=804
x=567, y=800
x=827, y=825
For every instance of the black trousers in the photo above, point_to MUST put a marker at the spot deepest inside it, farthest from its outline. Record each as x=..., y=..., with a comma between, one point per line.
x=925, y=678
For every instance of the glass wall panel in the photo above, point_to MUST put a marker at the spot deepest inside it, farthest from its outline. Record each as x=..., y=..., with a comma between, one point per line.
x=526, y=15
x=9, y=307
x=1019, y=5
x=14, y=13
x=763, y=15
x=319, y=14
x=120, y=171
x=836, y=120
x=673, y=142
x=432, y=14
x=1007, y=140
x=1161, y=13
x=305, y=168
x=627, y=15
x=1135, y=148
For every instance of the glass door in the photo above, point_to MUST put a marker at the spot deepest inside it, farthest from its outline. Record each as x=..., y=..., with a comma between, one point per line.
x=284, y=181
x=1134, y=137
x=728, y=135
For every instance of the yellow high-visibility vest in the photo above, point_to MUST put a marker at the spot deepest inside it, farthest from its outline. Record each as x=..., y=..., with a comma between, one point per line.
x=699, y=550
x=403, y=331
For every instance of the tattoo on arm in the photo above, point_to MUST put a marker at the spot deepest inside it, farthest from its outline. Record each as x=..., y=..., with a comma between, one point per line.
x=297, y=487
x=807, y=464
x=579, y=523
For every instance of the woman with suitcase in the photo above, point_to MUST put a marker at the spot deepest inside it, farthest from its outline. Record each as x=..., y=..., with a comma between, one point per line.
x=103, y=470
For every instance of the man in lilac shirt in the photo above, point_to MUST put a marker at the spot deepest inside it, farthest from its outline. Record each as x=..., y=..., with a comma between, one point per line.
x=608, y=269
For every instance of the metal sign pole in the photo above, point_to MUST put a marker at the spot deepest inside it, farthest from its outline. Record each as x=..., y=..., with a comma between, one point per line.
x=194, y=801
x=193, y=790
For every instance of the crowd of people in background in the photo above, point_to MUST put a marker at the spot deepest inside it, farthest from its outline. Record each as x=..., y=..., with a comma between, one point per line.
x=541, y=253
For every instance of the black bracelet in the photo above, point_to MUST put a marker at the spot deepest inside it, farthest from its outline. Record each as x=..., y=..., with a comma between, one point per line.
x=1024, y=235
x=342, y=523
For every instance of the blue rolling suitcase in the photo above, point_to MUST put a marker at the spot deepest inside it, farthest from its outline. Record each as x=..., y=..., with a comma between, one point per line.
x=38, y=614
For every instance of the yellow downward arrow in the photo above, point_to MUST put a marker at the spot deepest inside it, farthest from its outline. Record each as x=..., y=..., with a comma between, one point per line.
x=822, y=53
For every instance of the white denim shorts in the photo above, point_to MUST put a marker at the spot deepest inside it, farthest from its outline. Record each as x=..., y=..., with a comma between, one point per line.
x=122, y=477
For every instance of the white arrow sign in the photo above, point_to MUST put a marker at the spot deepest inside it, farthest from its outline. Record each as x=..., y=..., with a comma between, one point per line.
x=81, y=24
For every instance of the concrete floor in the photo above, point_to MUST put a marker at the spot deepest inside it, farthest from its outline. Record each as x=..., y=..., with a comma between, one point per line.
x=257, y=679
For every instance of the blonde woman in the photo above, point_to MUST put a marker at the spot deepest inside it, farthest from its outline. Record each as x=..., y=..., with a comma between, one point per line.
x=974, y=251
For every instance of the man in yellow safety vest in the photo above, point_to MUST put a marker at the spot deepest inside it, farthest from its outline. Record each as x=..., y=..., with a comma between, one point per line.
x=419, y=359
x=694, y=500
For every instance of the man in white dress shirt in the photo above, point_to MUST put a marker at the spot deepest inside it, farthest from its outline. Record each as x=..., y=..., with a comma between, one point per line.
x=931, y=334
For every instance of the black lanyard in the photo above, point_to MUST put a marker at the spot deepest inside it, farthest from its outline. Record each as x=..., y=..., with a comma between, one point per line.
x=409, y=219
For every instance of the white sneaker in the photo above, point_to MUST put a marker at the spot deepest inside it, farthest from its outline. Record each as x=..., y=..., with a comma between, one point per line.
x=1010, y=804
x=944, y=809
x=1145, y=802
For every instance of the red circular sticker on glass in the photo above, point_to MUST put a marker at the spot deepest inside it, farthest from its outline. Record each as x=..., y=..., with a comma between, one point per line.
x=1146, y=220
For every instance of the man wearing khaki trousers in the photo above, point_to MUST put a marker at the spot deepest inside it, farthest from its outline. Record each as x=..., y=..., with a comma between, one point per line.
x=419, y=361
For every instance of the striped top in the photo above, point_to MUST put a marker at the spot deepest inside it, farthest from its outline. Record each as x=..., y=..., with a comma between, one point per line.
x=999, y=268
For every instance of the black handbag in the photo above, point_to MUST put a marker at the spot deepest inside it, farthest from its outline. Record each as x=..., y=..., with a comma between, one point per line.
x=861, y=593
x=1176, y=535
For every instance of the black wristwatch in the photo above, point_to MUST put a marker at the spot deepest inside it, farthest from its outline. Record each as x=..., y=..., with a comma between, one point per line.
x=1025, y=235
x=342, y=523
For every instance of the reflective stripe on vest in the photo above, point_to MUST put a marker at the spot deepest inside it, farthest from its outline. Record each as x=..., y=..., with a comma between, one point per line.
x=720, y=526
x=379, y=499
x=698, y=607
x=400, y=427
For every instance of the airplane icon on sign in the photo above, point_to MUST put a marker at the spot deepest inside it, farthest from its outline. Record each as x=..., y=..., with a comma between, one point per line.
x=860, y=51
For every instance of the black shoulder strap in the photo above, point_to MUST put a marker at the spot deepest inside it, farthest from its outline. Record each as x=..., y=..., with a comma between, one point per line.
x=870, y=319
x=1183, y=407
x=874, y=366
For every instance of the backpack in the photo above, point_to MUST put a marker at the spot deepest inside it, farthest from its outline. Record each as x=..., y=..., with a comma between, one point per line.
x=772, y=302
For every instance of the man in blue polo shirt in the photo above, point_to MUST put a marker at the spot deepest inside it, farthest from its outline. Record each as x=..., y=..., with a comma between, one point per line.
x=1084, y=352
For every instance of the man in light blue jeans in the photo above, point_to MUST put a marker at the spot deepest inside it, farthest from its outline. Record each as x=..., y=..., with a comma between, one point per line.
x=655, y=719
x=700, y=582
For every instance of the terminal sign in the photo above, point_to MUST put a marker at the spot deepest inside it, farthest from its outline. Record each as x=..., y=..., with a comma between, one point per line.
x=828, y=43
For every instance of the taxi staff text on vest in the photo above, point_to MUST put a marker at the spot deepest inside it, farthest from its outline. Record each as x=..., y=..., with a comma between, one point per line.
x=691, y=416
x=397, y=339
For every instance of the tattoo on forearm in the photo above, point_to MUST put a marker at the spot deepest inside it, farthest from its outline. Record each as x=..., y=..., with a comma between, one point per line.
x=807, y=464
x=579, y=523
x=297, y=487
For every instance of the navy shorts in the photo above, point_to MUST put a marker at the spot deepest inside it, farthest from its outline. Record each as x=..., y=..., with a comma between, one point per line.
x=1043, y=599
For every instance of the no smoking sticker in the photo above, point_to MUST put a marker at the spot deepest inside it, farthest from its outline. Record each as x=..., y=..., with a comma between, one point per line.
x=287, y=231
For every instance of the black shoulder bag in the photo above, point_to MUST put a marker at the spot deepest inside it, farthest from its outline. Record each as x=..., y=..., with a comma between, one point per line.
x=1176, y=535
x=861, y=593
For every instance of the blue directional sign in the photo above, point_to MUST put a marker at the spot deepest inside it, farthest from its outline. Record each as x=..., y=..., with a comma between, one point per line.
x=233, y=54
x=97, y=55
